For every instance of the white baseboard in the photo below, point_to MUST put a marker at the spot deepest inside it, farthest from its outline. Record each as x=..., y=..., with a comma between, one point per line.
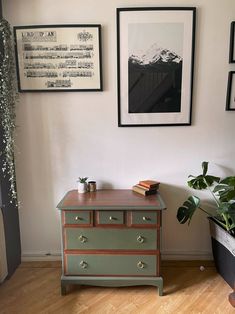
x=166, y=255
x=186, y=255
x=37, y=257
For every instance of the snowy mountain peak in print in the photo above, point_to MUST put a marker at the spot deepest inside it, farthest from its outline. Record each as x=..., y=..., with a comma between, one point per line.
x=154, y=81
x=155, y=55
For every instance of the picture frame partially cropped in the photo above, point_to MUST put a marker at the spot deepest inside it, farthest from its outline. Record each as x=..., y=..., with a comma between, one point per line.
x=230, y=100
x=232, y=43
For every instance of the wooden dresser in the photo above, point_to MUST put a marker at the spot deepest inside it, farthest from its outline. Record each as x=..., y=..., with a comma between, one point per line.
x=111, y=238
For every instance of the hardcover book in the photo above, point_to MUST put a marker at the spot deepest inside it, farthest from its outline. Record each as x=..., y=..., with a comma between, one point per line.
x=142, y=191
x=150, y=184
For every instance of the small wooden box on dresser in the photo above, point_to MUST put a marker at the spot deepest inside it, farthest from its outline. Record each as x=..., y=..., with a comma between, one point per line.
x=111, y=238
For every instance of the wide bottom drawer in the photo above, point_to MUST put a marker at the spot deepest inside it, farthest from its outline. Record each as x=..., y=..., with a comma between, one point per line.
x=112, y=265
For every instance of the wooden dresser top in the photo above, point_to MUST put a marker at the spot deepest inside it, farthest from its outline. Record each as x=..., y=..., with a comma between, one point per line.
x=110, y=199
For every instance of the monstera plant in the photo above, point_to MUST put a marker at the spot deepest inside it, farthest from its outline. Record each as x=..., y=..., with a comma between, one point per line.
x=221, y=221
x=223, y=194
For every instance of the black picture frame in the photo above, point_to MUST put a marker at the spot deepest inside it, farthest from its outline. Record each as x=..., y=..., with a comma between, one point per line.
x=58, y=58
x=232, y=43
x=230, y=99
x=131, y=23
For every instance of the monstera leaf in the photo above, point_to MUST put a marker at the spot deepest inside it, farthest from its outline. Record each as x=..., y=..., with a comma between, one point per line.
x=186, y=211
x=226, y=189
x=228, y=209
x=202, y=181
x=223, y=195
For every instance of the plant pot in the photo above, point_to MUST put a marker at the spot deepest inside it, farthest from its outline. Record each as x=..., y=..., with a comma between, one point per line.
x=82, y=187
x=223, y=249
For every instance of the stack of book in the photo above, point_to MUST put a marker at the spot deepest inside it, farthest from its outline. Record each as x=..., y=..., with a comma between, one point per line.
x=146, y=187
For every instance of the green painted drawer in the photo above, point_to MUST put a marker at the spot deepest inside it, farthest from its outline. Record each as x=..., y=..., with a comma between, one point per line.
x=77, y=217
x=97, y=238
x=99, y=264
x=143, y=218
x=110, y=217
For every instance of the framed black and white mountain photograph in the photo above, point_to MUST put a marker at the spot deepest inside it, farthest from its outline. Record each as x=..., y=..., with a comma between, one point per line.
x=155, y=65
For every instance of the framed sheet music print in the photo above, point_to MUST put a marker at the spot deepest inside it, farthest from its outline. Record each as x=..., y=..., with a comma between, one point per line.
x=58, y=57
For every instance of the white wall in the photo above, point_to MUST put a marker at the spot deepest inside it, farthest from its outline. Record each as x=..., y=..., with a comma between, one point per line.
x=65, y=135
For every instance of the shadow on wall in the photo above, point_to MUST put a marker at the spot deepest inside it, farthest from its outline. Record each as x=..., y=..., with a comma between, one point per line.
x=183, y=239
x=173, y=195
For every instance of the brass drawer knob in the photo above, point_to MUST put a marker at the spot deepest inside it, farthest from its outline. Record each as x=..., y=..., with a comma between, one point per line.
x=83, y=264
x=78, y=218
x=82, y=239
x=146, y=218
x=140, y=239
x=140, y=265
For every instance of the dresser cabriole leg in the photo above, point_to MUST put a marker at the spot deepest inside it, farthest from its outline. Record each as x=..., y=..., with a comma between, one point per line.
x=160, y=287
x=160, y=291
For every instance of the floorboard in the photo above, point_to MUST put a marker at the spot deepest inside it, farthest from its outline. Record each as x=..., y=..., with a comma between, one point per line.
x=35, y=288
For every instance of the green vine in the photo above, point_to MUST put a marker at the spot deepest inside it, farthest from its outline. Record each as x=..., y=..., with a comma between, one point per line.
x=8, y=99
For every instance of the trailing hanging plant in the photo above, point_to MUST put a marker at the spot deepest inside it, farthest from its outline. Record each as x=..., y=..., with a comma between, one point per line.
x=8, y=98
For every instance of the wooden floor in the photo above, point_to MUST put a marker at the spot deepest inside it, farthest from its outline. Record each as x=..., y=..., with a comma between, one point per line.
x=35, y=288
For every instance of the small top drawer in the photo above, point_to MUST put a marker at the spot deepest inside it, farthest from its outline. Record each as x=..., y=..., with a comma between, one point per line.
x=110, y=217
x=144, y=218
x=77, y=218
